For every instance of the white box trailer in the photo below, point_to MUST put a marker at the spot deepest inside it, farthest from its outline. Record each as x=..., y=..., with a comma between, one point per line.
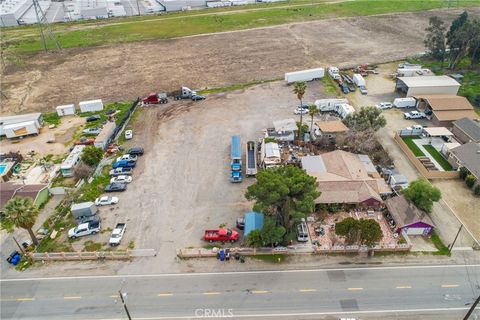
x=343, y=110
x=304, y=75
x=21, y=129
x=325, y=105
x=66, y=110
x=404, y=103
x=334, y=73
x=359, y=80
x=91, y=105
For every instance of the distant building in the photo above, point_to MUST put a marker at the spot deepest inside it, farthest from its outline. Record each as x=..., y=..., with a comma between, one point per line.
x=330, y=129
x=283, y=130
x=413, y=86
x=444, y=109
x=466, y=130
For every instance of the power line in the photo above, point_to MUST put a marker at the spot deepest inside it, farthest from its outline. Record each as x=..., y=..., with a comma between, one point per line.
x=46, y=33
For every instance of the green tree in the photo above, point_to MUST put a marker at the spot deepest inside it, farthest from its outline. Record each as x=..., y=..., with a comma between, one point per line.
x=92, y=155
x=463, y=173
x=366, y=118
x=270, y=234
x=470, y=180
x=455, y=26
x=476, y=190
x=435, y=39
x=370, y=231
x=349, y=229
x=20, y=213
x=299, y=89
x=422, y=194
x=474, y=50
x=254, y=239
x=287, y=194
x=312, y=111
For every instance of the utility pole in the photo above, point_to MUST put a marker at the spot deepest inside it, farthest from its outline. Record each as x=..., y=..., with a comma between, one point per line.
x=44, y=26
x=124, y=304
x=470, y=311
x=138, y=8
x=450, y=247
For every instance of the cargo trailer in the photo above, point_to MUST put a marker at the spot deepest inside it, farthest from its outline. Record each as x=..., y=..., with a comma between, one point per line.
x=304, y=75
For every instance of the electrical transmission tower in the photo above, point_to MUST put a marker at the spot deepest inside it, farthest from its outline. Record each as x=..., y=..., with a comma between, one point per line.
x=46, y=32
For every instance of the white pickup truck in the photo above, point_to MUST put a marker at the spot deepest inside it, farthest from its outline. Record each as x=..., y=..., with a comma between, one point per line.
x=84, y=229
x=414, y=115
x=117, y=234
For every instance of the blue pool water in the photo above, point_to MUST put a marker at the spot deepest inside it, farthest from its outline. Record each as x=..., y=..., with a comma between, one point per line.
x=2, y=168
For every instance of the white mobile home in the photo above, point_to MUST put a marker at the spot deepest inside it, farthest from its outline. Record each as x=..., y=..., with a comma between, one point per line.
x=102, y=140
x=73, y=159
x=91, y=106
x=404, y=103
x=358, y=80
x=344, y=109
x=21, y=129
x=304, y=75
x=66, y=110
x=325, y=105
x=9, y=120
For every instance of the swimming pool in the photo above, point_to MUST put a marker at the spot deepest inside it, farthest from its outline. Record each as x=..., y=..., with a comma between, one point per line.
x=3, y=166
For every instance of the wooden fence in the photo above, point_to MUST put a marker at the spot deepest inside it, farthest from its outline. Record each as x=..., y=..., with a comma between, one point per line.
x=420, y=167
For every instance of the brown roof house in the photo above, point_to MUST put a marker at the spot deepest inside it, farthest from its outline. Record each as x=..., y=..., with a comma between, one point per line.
x=346, y=178
x=468, y=156
x=408, y=217
x=444, y=109
x=37, y=192
x=330, y=129
x=466, y=130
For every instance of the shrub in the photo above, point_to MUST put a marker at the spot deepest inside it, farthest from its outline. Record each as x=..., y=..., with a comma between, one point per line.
x=476, y=190
x=463, y=173
x=470, y=180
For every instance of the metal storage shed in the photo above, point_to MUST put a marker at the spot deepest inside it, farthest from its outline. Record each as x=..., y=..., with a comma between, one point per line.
x=253, y=221
x=412, y=86
x=66, y=110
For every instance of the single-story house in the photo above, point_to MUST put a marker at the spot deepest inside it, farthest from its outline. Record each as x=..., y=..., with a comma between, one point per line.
x=466, y=130
x=37, y=192
x=444, y=109
x=408, y=218
x=413, y=86
x=283, y=130
x=468, y=156
x=330, y=129
x=346, y=178
x=253, y=221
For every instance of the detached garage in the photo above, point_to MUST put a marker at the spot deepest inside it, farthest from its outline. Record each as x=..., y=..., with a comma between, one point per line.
x=413, y=86
x=408, y=217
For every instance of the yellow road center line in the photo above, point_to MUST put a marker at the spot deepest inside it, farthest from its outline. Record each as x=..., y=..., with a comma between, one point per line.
x=450, y=285
x=260, y=291
x=404, y=287
x=307, y=290
x=211, y=293
x=72, y=298
x=114, y=296
x=354, y=289
x=25, y=299
x=165, y=294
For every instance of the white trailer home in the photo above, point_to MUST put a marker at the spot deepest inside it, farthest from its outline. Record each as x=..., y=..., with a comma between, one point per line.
x=16, y=130
x=66, y=110
x=344, y=109
x=404, y=103
x=73, y=159
x=304, y=75
x=10, y=120
x=91, y=106
x=325, y=105
x=103, y=138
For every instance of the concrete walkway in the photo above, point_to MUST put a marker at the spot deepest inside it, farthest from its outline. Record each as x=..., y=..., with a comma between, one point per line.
x=420, y=144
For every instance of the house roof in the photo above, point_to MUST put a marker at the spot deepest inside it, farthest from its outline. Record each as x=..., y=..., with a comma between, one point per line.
x=446, y=102
x=331, y=126
x=345, y=177
x=469, y=127
x=285, y=125
x=429, y=81
x=452, y=115
x=405, y=213
x=8, y=190
x=20, y=118
x=272, y=150
x=438, y=131
x=469, y=157
x=253, y=221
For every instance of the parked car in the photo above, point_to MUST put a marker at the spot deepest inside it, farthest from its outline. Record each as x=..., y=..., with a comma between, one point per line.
x=128, y=157
x=117, y=234
x=121, y=179
x=93, y=131
x=240, y=223
x=302, y=231
x=106, y=200
x=120, y=171
x=300, y=110
x=137, y=151
x=85, y=141
x=111, y=111
x=414, y=115
x=345, y=88
x=363, y=89
x=124, y=164
x=128, y=134
x=197, y=97
x=83, y=229
x=221, y=235
x=384, y=105
x=116, y=187
x=93, y=118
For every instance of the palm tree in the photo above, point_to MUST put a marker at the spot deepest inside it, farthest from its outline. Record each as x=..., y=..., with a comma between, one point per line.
x=299, y=89
x=20, y=213
x=312, y=111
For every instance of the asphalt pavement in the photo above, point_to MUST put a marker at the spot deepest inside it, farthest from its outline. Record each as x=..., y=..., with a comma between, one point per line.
x=293, y=294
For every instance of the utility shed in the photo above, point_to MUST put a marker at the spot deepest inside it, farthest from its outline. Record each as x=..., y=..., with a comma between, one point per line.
x=412, y=86
x=437, y=132
x=410, y=219
x=253, y=221
x=66, y=110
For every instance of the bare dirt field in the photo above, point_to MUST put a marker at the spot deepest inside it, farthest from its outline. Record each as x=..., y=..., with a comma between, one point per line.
x=125, y=71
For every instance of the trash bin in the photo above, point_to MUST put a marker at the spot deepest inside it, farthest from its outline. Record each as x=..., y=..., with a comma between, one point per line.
x=222, y=255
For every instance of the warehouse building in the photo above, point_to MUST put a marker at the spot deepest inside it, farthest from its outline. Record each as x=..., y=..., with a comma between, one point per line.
x=413, y=86
x=444, y=109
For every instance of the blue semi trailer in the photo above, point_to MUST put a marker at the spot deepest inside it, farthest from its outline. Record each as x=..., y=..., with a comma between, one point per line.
x=236, y=160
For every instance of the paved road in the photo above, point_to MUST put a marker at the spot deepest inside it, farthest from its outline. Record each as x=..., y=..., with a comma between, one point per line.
x=292, y=294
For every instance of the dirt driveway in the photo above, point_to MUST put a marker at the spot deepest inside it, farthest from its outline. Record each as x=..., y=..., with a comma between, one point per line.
x=124, y=71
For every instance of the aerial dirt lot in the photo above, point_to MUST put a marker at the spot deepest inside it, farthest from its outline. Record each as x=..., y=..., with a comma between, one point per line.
x=125, y=71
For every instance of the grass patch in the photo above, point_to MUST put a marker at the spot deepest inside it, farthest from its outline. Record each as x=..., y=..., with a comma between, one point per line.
x=235, y=87
x=131, y=245
x=412, y=146
x=330, y=86
x=91, y=191
x=438, y=157
x=51, y=118
x=24, y=40
x=271, y=258
x=51, y=245
x=91, y=246
x=442, y=249
x=470, y=88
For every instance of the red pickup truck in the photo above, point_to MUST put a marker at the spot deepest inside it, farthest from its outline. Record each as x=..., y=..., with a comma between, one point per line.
x=221, y=235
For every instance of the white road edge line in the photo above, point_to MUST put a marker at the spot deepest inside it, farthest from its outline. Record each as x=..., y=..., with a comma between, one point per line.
x=199, y=274
x=271, y=315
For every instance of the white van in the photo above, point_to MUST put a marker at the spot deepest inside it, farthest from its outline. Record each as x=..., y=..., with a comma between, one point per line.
x=302, y=231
